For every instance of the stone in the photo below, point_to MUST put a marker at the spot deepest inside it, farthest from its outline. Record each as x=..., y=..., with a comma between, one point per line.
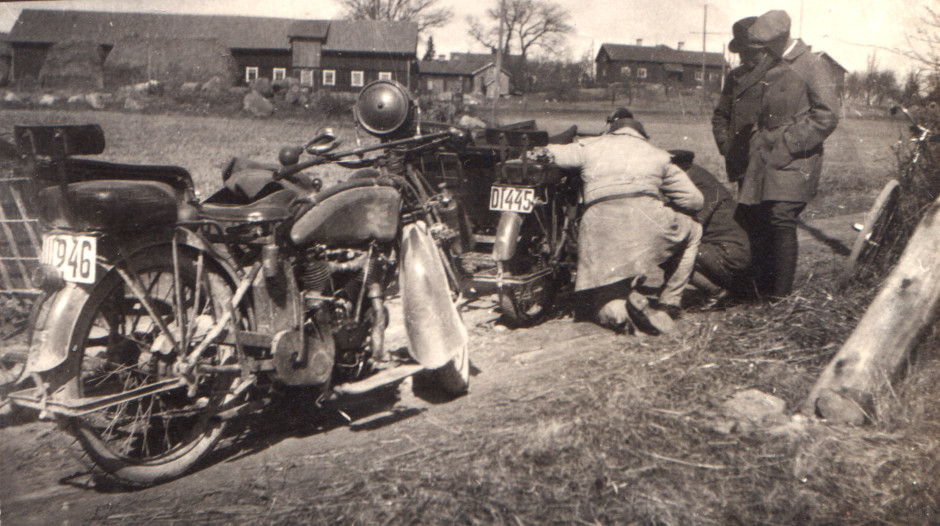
x=76, y=99
x=95, y=100
x=130, y=103
x=257, y=105
x=190, y=87
x=12, y=98
x=47, y=99
x=214, y=85
x=262, y=86
x=752, y=408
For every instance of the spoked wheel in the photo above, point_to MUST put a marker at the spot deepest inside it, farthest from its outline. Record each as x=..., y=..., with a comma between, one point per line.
x=128, y=337
x=876, y=243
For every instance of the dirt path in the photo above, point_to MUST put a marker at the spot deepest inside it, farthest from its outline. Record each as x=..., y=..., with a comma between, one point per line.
x=305, y=458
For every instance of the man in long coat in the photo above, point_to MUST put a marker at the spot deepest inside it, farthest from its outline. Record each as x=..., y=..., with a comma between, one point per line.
x=735, y=117
x=797, y=114
x=631, y=225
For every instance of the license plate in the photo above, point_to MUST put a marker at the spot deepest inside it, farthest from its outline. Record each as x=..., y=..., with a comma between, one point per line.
x=512, y=199
x=73, y=256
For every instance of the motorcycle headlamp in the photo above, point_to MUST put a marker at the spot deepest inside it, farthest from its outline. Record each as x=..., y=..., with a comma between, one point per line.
x=385, y=108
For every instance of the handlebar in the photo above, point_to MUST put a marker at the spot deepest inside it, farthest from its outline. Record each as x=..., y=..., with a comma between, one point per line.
x=329, y=156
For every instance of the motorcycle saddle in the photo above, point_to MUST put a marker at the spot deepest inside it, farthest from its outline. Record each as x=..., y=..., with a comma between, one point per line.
x=273, y=207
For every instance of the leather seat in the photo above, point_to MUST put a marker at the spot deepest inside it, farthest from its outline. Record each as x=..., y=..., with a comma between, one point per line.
x=274, y=207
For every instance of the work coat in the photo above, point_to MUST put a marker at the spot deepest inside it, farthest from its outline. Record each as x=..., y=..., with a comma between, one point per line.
x=797, y=113
x=631, y=193
x=735, y=117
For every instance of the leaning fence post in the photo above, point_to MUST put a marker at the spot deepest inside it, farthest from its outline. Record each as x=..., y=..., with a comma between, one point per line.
x=892, y=326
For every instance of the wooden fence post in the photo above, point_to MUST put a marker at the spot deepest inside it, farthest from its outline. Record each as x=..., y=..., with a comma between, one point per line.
x=892, y=326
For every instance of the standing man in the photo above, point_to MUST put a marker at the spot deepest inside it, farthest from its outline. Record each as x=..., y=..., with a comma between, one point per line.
x=631, y=224
x=735, y=116
x=797, y=113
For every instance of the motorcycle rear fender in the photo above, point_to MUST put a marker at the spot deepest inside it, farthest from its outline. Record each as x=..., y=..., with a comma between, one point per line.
x=55, y=319
x=507, y=235
x=53, y=326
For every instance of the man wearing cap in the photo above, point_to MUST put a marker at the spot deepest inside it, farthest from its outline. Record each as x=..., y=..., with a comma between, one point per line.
x=631, y=224
x=735, y=116
x=797, y=113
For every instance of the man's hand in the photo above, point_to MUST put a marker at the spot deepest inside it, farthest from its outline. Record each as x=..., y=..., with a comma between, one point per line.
x=540, y=155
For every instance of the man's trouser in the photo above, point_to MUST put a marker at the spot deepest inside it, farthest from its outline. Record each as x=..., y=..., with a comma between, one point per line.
x=771, y=227
x=678, y=270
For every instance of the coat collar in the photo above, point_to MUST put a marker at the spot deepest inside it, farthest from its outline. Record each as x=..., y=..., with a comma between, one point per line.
x=626, y=130
x=795, y=49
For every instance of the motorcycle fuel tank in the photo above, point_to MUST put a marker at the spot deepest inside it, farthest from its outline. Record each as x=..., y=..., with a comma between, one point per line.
x=350, y=216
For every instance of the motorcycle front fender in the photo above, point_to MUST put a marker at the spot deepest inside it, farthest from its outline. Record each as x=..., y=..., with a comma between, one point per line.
x=436, y=334
x=53, y=326
x=507, y=235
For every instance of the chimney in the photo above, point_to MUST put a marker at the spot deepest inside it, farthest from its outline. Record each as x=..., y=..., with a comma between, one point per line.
x=639, y=41
x=442, y=57
x=679, y=47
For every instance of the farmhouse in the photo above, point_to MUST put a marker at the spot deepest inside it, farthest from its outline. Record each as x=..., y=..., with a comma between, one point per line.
x=658, y=65
x=472, y=73
x=328, y=54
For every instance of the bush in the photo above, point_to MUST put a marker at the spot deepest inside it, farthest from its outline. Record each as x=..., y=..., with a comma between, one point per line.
x=330, y=104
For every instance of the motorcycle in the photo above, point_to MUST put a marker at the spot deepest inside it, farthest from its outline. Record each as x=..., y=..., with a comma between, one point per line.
x=164, y=318
x=515, y=218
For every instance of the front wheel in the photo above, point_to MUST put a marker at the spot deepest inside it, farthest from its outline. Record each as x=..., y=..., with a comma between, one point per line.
x=876, y=243
x=124, y=340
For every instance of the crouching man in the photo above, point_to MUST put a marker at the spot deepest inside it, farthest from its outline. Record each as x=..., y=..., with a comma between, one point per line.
x=722, y=268
x=635, y=223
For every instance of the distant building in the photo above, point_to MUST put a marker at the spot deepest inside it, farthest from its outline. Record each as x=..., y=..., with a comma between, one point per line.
x=836, y=71
x=472, y=73
x=6, y=60
x=658, y=65
x=329, y=54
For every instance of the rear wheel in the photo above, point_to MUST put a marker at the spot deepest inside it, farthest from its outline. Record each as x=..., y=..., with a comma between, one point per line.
x=123, y=341
x=877, y=242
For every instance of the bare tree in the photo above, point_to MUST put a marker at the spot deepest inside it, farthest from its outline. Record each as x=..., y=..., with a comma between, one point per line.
x=425, y=13
x=529, y=24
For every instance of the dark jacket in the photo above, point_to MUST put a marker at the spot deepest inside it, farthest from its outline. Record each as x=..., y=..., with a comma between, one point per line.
x=735, y=117
x=797, y=113
x=717, y=215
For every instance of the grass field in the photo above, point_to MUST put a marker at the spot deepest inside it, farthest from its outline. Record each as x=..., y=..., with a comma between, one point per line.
x=859, y=154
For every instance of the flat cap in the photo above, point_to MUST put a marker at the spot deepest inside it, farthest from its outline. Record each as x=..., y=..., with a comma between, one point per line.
x=620, y=113
x=633, y=124
x=770, y=26
x=739, y=29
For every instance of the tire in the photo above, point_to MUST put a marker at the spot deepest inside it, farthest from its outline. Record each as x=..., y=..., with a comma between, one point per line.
x=118, y=346
x=453, y=379
x=875, y=244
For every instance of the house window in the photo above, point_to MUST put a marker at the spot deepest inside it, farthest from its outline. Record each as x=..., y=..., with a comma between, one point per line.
x=625, y=72
x=385, y=75
x=251, y=73
x=356, y=79
x=698, y=76
x=641, y=73
x=712, y=77
x=306, y=77
x=279, y=73
x=329, y=77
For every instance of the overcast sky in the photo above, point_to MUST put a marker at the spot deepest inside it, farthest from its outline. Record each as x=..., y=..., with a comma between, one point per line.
x=849, y=30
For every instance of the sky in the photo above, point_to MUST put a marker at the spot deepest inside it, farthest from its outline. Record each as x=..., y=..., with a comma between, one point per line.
x=848, y=30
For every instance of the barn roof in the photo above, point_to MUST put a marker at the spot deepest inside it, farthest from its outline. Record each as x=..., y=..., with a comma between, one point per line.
x=660, y=54
x=239, y=32
x=372, y=36
x=310, y=29
x=446, y=67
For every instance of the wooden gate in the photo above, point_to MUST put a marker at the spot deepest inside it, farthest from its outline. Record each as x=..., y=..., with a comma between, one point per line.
x=20, y=243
